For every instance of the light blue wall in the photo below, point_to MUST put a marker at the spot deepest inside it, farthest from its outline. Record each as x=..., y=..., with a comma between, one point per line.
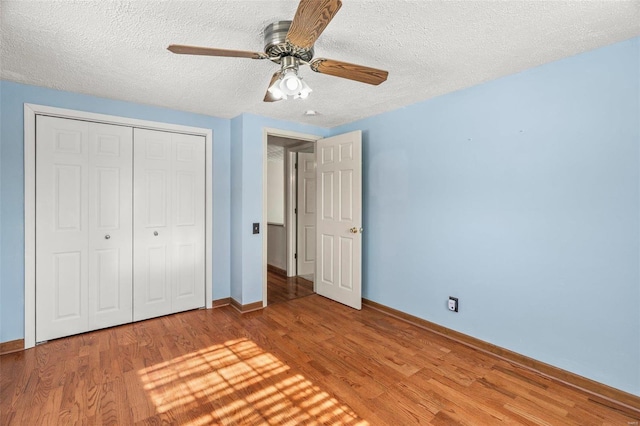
x=13, y=96
x=521, y=198
x=252, y=141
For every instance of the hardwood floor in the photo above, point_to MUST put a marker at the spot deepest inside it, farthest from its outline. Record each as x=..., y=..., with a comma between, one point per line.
x=281, y=288
x=307, y=361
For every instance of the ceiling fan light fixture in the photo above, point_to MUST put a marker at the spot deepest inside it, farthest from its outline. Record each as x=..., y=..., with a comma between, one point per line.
x=290, y=84
x=276, y=92
x=304, y=91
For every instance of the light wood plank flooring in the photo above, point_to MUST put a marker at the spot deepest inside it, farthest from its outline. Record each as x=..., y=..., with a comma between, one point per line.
x=307, y=361
x=281, y=288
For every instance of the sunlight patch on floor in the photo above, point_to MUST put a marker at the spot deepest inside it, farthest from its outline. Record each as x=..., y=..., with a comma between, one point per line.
x=238, y=382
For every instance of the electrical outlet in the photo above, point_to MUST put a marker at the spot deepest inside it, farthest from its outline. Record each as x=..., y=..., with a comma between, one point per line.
x=256, y=228
x=453, y=304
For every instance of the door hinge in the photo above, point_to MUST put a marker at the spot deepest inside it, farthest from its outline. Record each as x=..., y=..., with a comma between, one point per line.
x=295, y=211
x=295, y=166
x=295, y=256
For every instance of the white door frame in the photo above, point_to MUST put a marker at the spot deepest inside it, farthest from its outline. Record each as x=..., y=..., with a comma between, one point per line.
x=30, y=112
x=291, y=218
x=267, y=131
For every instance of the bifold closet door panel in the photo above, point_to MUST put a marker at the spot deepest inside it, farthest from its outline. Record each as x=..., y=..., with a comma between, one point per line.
x=168, y=223
x=62, y=219
x=83, y=193
x=152, y=229
x=110, y=225
x=188, y=227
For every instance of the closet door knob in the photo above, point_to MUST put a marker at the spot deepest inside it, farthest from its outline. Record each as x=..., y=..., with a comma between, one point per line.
x=106, y=237
x=155, y=233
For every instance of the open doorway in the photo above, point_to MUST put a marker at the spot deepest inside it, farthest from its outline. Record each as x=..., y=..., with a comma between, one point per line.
x=338, y=229
x=290, y=186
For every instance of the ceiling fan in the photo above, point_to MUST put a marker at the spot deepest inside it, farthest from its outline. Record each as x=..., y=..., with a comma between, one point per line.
x=290, y=44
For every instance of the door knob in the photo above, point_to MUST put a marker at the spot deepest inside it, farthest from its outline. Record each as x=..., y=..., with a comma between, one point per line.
x=353, y=230
x=106, y=237
x=155, y=233
x=361, y=230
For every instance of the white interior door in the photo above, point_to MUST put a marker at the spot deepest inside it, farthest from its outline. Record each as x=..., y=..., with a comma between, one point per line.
x=306, y=241
x=339, y=218
x=83, y=186
x=169, y=223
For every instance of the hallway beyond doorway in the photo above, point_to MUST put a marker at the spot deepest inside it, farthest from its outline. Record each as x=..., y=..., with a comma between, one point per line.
x=281, y=288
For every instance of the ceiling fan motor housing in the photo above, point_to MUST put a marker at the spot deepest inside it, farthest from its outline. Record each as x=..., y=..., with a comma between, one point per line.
x=276, y=45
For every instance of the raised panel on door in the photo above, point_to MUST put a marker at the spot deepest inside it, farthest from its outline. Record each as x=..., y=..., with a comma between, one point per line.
x=345, y=256
x=157, y=260
x=68, y=271
x=327, y=271
x=339, y=246
x=62, y=160
x=110, y=225
x=188, y=222
x=152, y=259
x=327, y=247
x=106, y=294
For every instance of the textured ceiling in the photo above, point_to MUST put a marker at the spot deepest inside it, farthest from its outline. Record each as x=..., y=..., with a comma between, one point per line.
x=117, y=49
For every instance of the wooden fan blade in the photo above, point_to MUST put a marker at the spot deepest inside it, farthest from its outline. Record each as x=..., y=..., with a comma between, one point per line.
x=312, y=17
x=268, y=97
x=351, y=71
x=210, y=51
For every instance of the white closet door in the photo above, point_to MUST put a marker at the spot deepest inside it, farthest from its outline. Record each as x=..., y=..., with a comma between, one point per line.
x=110, y=225
x=152, y=229
x=81, y=282
x=188, y=210
x=62, y=243
x=169, y=223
